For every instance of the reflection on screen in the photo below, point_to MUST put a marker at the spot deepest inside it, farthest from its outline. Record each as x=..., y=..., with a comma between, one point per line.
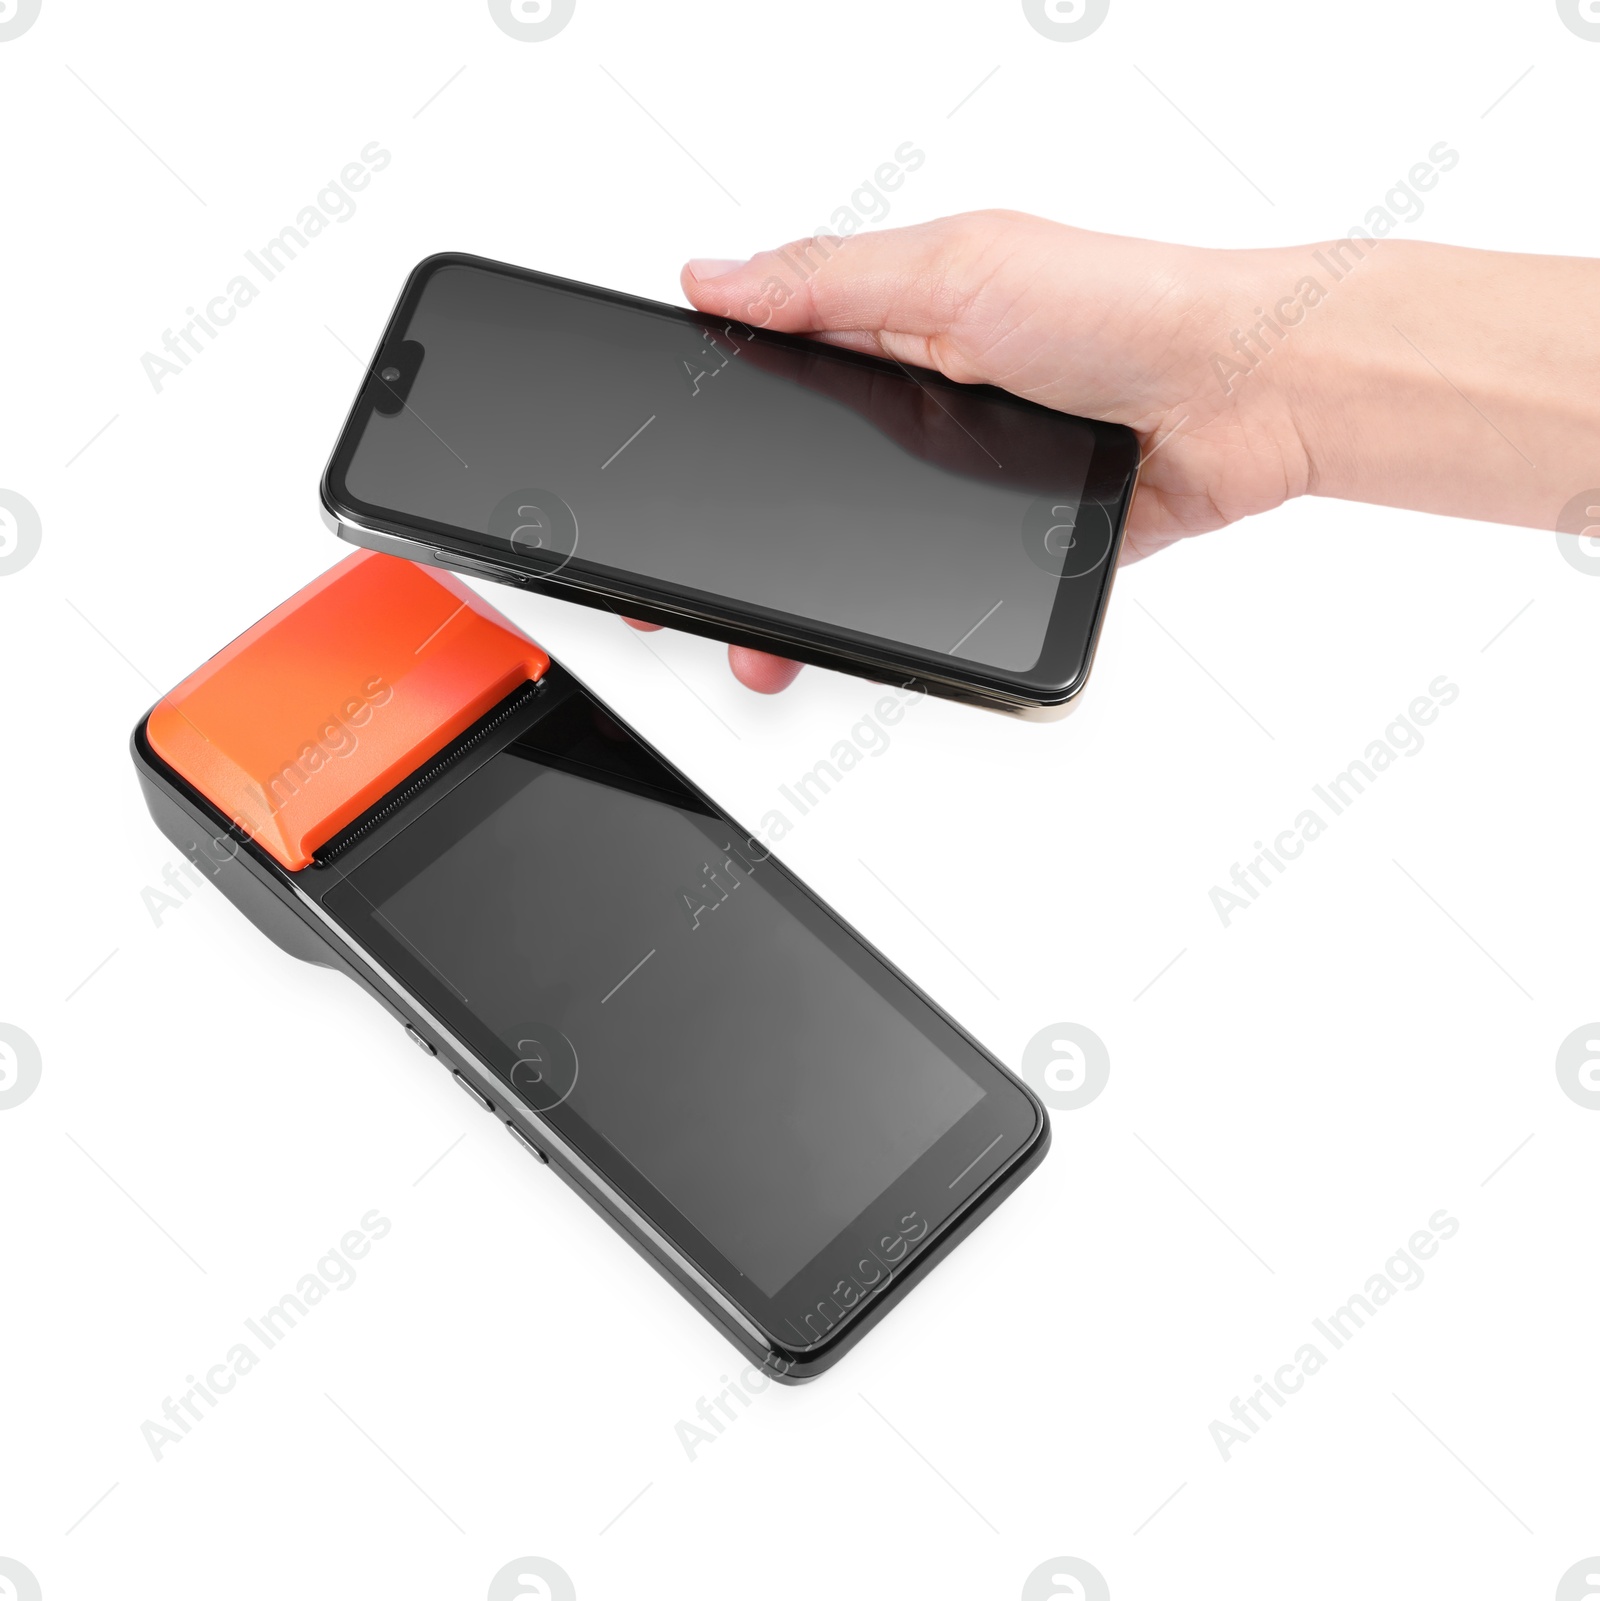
x=743, y=1066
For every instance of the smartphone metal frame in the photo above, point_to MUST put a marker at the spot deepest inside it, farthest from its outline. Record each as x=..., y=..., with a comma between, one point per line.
x=1111, y=481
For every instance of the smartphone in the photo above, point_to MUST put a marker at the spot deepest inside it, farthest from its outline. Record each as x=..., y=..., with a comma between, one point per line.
x=753, y=486
x=390, y=780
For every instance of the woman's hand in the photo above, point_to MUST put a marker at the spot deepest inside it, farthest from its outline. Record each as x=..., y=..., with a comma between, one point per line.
x=1368, y=370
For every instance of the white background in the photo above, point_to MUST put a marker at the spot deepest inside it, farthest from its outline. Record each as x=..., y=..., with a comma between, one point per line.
x=1289, y=1100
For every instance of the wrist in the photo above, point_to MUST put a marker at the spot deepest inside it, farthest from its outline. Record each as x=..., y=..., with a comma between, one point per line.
x=1443, y=379
x=1353, y=393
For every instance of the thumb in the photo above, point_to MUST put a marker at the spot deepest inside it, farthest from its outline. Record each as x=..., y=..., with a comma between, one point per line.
x=906, y=293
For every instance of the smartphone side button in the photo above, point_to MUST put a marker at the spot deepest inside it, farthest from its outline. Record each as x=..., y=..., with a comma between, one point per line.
x=522, y=1139
x=475, y=569
x=418, y=1040
x=472, y=1090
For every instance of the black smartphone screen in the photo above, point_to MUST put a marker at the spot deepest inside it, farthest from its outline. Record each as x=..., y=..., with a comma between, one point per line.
x=612, y=441
x=732, y=1057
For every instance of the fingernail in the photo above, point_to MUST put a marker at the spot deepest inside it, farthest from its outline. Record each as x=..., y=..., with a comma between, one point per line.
x=702, y=269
